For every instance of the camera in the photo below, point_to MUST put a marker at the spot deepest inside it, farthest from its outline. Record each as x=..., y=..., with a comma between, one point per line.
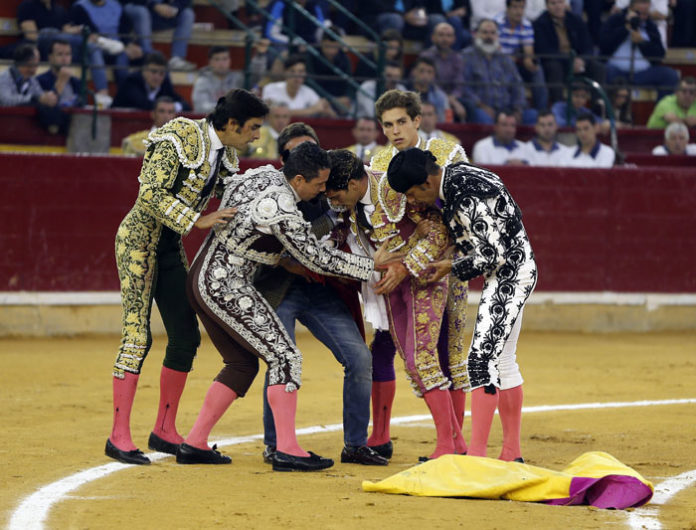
x=634, y=22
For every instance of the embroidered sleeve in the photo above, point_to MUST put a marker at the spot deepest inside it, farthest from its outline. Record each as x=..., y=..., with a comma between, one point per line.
x=475, y=231
x=296, y=236
x=156, y=180
x=428, y=248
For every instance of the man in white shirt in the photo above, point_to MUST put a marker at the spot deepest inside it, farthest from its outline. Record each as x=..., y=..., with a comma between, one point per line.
x=590, y=151
x=676, y=141
x=501, y=148
x=301, y=99
x=428, y=126
x=544, y=149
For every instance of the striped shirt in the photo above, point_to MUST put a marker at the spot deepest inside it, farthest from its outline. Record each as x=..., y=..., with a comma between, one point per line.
x=512, y=39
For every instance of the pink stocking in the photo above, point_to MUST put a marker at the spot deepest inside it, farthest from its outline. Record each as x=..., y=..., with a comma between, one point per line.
x=459, y=404
x=124, y=394
x=382, y=399
x=510, y=409
x=440, y=405
x=217, y=400
x=483, y=407
x=284, y=406
x=171, y=387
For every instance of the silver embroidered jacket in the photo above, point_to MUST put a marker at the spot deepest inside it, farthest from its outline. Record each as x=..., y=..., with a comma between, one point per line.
x=268, y=223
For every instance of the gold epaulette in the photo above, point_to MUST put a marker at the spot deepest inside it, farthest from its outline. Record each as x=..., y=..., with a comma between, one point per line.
x=187, y=137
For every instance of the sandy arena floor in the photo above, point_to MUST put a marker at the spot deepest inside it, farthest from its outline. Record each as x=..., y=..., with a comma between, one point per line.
x=55, y=412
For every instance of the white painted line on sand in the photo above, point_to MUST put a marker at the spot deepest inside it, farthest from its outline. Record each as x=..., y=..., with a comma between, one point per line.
x=32, y=512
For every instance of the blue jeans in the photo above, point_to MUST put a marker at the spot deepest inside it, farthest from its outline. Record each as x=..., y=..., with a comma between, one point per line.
x=146, y=21
x=663, y=78
x=320, y=310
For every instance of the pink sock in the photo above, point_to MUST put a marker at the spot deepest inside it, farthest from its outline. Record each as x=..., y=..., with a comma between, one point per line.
x=440, y=404
x=284, y=406
x=510, y=410
x=382, y=400
x=217, y=400
x=171, y=387
x=483, y=407
x=459, y=404
x=124, y=394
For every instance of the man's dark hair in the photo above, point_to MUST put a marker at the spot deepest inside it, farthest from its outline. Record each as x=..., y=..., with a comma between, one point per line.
x=504, y=112
x=214, y=50
x=23, y=54
x=580, y=86
x=423, y=60
x=345, y=166
x=294, y=130
x=238, y=104
x=688, y=80
x=294, y=59
x=163, y=99
x=543, y=113
x=394, y=99
x=585, y=116
x=508, y=3
x=394, y=64
x=155, y=57
x=411, y=167
x=60, y=41
x=307, y=159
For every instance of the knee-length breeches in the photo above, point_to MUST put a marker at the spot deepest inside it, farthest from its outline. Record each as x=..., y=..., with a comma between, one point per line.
x=152, y=264
x=415, y=319
x=492, y=356
x=240, y=322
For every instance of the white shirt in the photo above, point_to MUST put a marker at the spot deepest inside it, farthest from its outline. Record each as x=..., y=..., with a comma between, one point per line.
x=215, y=144
x=600, y=156
x=536, y=155
x=305, y=97
x=489, y=151
x=662, y=150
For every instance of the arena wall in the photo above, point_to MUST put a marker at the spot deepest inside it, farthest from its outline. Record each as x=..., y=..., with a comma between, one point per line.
x=615, y=248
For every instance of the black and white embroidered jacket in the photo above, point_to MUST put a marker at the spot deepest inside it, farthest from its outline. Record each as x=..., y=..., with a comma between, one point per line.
x=269, y=223
x=482, y=218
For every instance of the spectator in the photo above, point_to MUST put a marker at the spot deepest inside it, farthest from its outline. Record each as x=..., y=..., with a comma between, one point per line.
x=485, y=9
x=301, y=99
x=304, y=28
x=140, y=89
x=214, y=80
x=150, y=15
x=684, y=28
x=676, y=141
x=41, y=21
x=365, y=133
x=620, y=98
x=457, y=14
x=579, y=98
x=428, y=125
x=679, y=107
x=423, y=83
x=165, y=110
x=325, y=76
x=449, y=67
x=393, y=52
x=19, y=87
x=493, y=83
x=517, y=41
x=110, y=27
x=501, y=147
x=632, y=42
x=278, y=118
x=590, y=151
x=58, y=78
x=557, y=34
x=366, y=96
x=659, y=12
x=544, y=149
x=410, y=18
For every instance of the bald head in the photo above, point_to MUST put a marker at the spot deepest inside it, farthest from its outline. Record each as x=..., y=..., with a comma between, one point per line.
x=443, y=36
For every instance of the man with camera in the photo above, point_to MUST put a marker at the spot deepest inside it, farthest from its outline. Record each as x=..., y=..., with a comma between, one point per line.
x=632, y=42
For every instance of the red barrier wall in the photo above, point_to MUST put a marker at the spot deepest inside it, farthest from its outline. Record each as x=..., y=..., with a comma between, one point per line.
x=625, y=230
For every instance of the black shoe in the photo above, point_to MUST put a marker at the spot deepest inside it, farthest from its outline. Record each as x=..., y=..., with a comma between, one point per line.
x=135, y=456
x=268, y=453
x=519, y=459
x=362, y=455
x=187, y=454
x=163, y=446
x=286, y=462
x=385, y=450
x=422, y=459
